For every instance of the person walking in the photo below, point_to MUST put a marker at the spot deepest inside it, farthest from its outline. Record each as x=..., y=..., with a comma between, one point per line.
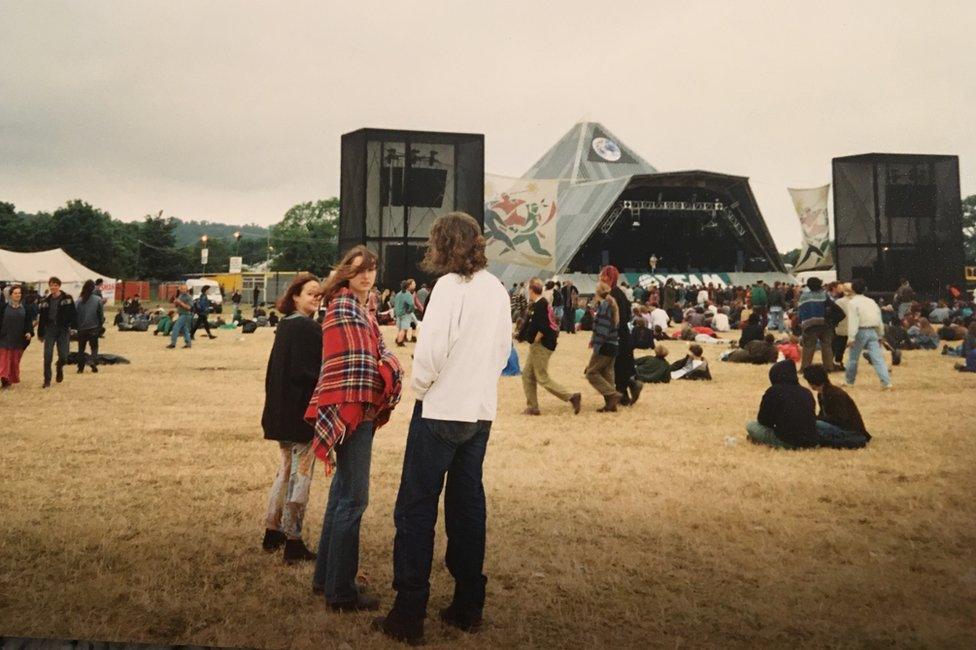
x=91, y=318
x=357, y=389
x=57, y=318
x=864, y=332
x=625, y=374
x=203, y=307
x=293, y=371
x=570, y=296
x=603, y=343
x=255, y=294
x=464, y=346
x=812, y=312
x=540, y=331
x=184, y=305
x=16, y=332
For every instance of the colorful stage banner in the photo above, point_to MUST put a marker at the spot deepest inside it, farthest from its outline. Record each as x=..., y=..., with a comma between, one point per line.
x=520, y=220
x=811, y=207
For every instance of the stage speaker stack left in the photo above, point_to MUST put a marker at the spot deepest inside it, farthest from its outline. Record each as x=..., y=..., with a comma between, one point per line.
x=394, y=184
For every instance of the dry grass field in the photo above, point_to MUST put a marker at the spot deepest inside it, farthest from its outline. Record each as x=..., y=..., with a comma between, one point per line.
x=133, y=500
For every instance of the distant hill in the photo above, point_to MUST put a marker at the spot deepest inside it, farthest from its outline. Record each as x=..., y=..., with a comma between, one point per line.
x=189, y=232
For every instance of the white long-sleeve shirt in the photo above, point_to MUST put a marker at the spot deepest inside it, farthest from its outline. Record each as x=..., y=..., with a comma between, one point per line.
x=463, y=346
x=862, y=312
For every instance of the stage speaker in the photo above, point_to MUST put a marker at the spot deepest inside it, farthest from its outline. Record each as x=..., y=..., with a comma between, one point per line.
x=898, y=216
x=394, y=185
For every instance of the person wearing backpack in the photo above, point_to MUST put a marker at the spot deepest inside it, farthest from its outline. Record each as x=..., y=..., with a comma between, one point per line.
x=540, y=332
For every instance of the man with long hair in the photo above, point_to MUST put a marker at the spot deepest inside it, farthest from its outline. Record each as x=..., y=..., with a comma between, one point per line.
x=91, y=318
x=464, y=345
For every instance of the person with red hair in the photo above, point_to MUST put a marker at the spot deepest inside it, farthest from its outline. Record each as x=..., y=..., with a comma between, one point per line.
x=624, y=371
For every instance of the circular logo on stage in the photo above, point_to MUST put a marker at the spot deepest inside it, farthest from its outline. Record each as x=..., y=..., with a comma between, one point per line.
x=607, y=149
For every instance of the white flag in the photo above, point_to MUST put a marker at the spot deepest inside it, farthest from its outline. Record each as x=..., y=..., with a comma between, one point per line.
x=811, y=208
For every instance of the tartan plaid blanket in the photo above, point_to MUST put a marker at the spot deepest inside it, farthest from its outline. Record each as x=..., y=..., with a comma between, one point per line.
x=358, y=374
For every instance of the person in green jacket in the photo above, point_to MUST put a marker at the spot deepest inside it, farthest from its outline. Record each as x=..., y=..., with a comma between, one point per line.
x=165, y=324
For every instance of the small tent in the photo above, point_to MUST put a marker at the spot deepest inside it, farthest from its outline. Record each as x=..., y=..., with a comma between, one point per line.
x=34, y=269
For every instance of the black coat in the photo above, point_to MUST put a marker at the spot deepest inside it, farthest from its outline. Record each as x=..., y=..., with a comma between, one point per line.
x=28, y=322
x=789, y=408
x=293, y=371
x=67, y=318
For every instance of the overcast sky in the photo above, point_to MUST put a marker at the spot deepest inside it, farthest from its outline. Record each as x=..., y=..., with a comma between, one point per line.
x=232, y=111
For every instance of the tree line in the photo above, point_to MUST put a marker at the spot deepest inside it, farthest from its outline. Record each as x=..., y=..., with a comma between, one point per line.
x=162, y=248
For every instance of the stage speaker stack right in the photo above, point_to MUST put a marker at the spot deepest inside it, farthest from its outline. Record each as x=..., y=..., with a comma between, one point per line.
x=898, y=216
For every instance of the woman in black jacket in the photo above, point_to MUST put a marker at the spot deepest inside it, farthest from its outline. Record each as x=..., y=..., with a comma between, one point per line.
x=16, y=331
x=293, y=370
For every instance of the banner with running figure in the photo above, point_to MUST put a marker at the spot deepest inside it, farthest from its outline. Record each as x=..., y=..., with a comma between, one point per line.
x=520, y=220
x=811, y=207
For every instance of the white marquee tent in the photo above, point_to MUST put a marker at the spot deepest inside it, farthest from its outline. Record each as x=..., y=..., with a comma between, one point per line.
x=35, y=269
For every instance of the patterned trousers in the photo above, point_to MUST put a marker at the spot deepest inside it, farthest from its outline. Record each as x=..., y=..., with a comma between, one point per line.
x=289, y=492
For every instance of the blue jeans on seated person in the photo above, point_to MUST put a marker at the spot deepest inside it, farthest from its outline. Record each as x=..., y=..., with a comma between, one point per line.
x=835, y=437
x=337, y=562
x=436, y=448
x=763, y=435
x=867, y=339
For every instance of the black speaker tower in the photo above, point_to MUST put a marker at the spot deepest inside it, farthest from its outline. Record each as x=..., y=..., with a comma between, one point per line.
x=898, y=216
x=394, y=184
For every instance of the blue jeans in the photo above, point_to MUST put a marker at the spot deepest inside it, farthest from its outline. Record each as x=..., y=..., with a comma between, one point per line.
x=182, y=324
x=337, y=562
x=837, y=438
x=55, y=337
x=436, y=448
x=776, y=318
x=867, y=339
x=763, y=435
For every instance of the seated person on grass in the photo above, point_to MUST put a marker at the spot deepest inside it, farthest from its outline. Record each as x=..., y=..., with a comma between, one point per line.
x=758, y=352
x=786, y=416
x=693, y=366
x=654, y=368
x=165, y=324
x=839, y=422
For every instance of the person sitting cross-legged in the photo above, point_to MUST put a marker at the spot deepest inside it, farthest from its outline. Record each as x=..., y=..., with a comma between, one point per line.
x=786, y=416
x=839, y=423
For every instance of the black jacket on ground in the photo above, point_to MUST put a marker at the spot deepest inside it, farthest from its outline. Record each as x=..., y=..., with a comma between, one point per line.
x=67, y=318
x=788, y=408
x=293, y=371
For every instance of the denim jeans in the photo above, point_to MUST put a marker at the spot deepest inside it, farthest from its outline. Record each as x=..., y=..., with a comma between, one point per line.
x=55, y=337
x=338, y=557
x=833, y=436
x=436, y=448
x=763, y=435
x=867, y=339
x=182, y=325
x=776, y=318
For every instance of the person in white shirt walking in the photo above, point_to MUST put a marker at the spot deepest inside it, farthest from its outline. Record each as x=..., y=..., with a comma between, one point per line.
x=864, y=332
x=464, y=345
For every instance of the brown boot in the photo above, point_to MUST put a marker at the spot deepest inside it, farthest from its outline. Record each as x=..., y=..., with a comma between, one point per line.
x=611, y=403
x=576, y=400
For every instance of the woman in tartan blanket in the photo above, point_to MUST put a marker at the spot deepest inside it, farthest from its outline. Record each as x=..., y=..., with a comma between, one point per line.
x=358, y=387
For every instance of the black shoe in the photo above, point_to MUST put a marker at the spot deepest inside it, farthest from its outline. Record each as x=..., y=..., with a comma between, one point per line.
x=296, y=551
x=94, y=369
x=59, y=375
x=47, y=383
x=391, y=626
x=81, y=370
x=624, y=398
x=170, y=346
x=187, y=346
x=211, y=336
x=464, y=621
x=636, y=387
x=362, y=603
x=273, y=540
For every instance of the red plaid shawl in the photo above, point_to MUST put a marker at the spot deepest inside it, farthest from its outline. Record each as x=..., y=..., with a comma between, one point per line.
x=357, y=372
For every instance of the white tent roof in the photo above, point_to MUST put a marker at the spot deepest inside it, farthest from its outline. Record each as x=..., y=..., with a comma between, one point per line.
x=37, y=268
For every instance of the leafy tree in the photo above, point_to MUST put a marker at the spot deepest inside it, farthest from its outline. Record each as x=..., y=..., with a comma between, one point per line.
x=307, y=237
x=791, y=257
x=969, y=228
x=87, y=234
x=157, y=256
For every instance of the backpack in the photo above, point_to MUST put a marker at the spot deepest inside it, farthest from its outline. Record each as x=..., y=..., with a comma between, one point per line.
x=249, y=327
